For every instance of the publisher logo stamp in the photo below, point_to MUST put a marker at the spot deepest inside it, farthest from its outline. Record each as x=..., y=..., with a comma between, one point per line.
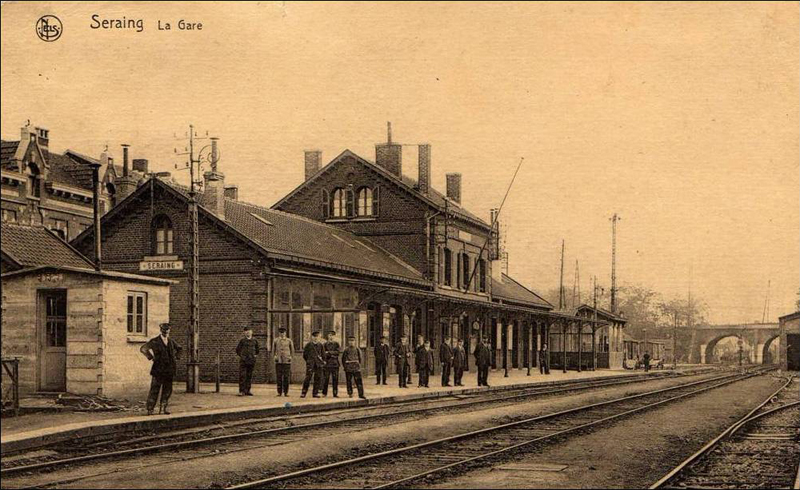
x=49, y=28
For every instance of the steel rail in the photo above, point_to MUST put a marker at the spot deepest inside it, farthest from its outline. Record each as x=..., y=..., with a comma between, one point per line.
x=725, y=433
x=727, y=379
x=526, y=393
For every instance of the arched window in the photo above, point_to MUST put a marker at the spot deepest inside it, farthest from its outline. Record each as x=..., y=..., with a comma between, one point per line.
x=162, y=236
x=365, y=202
x=339, y=203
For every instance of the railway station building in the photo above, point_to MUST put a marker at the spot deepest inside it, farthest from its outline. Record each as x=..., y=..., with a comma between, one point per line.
x=72, y=327
x=358, y=248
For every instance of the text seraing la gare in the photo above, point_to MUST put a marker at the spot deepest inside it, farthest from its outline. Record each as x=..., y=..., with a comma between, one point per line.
x=138, y=25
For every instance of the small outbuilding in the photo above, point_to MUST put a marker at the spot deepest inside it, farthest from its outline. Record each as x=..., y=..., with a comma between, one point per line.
x=790, y=341
x=74, y=328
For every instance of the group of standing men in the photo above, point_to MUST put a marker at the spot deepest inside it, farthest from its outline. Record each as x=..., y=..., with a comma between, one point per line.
x=323, y=362
x=453, y=358
x=322, y=366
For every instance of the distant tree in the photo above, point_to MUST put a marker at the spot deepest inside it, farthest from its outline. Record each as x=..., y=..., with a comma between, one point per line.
x=639, y=305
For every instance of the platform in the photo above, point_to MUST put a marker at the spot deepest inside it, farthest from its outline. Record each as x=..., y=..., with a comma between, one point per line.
x=44, y=427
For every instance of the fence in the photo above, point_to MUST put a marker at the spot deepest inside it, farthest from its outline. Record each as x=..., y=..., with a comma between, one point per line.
x=10, y=386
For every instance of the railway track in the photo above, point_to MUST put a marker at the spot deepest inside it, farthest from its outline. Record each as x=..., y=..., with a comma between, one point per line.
x=758, y=451
x=284, y=430
x=405, y=465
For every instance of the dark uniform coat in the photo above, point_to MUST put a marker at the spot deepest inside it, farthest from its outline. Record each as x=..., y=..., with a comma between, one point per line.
x=424, y=358
x=164, y=356
x=247, y=350
x=482, y=355
x=459, y=358
x=351, y=359
x=382, y=353
x=402, y=355
x=313, y=355
x=446, y=354
x=331, y=354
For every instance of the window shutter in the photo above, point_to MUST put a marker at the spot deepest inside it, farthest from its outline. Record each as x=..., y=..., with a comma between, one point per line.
x=350, y=203
x=376, y=196
x=326, y=204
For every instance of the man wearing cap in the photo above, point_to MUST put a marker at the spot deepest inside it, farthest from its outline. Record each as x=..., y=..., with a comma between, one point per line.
x=351, y=358
x=331, y=350
x=312, y=354
x=247, y=350
x=446, y=358
x=164, y=352
x=282, y=349
x=382, y=355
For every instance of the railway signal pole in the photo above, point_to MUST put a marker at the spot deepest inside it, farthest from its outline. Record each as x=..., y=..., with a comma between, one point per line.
x=614, y=220
x=193, y=363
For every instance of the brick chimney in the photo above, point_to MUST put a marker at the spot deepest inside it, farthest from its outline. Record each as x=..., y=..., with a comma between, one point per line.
x=140, y=165
x=213, y=197
x=313, y=160
x=454, y=187
x=424, y=182
x=390, y=155
x=126, y=184
x=43, y=138
x=232, y=192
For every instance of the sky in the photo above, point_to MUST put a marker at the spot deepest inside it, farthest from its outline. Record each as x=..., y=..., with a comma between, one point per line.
x=682, y=118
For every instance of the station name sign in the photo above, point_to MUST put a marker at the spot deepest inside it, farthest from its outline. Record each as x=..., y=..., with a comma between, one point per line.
x=161, y=265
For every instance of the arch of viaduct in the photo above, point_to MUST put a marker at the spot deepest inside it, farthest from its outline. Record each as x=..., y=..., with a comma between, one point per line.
x=758, y=335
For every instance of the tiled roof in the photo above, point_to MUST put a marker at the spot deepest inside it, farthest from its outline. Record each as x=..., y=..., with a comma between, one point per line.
x=510, y=290
x=295, y=236
x=7, y=151
x=64, y=170
x=32, y=246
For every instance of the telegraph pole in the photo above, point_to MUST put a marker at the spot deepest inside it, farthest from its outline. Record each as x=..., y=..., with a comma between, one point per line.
x=614, y=220
x=193, y=363
x=561, y=295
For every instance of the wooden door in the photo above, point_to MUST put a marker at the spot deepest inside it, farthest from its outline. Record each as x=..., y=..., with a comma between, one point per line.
x=53, y=340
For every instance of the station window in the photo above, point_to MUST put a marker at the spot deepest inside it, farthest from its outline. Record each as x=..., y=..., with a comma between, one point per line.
x=339, y=203
x=482, y=272
x=465, y=272
x=162, y=236
x=365, y=202
x=137, y=313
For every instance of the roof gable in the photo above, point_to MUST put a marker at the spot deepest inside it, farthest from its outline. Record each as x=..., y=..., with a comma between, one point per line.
x=434, y=198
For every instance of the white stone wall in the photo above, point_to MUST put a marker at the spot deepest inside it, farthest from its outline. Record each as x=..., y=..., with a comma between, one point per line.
x=125, y=371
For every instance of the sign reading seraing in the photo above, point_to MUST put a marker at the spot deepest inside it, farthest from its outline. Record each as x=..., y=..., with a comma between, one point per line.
x=161, y=265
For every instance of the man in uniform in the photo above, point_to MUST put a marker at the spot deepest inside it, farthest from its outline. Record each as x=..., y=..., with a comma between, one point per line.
x=402, y=358
x=420, y=345
x=482, y=359
x=351, y=359
x=646, y=360
x=331, y=350
x=424, y=362
x=164, y=352
x=459, y=362
x=382, y=355
x=544, y=360
x=282, y=349
x=446, y=358
x=312, y=354
x=247, y=350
